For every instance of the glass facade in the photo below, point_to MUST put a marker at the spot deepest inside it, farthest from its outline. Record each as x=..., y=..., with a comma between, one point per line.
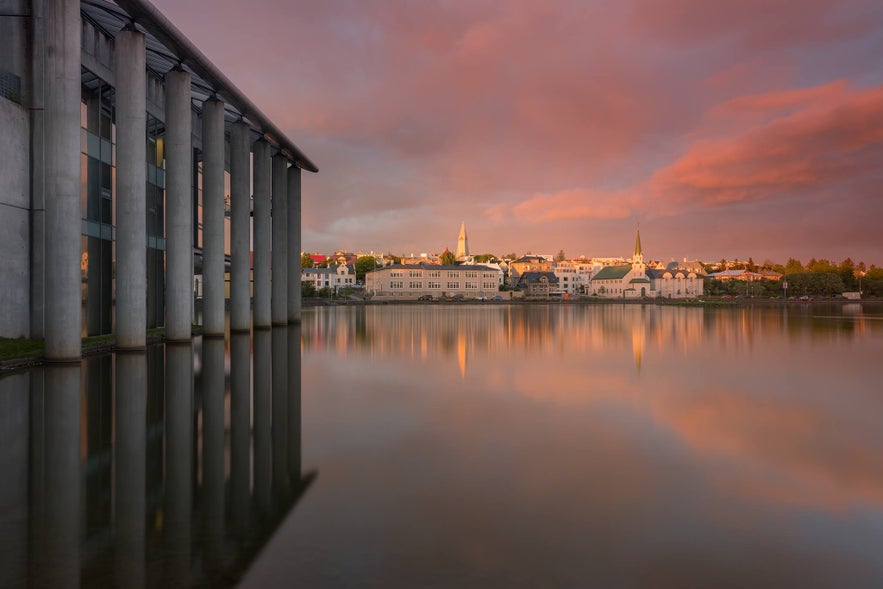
x=156, y=243
x=98, y=200
x=97, y=196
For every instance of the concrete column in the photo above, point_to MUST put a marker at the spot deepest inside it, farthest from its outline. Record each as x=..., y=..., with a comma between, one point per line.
x=294, y=412
x=262, y=232
x=240, y=429
x=179, y=207
x=62, y=178
x=294, y=274
x=131, y=187
x=280, y=243
x=179, y=462
x=130, y=463
x=213, y=217
x=213, y=475
x=281, y=486
x=60, y=557
x=240, y=205
x=262, y=419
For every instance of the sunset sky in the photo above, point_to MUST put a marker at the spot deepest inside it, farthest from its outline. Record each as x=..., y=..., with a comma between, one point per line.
x=722, y=129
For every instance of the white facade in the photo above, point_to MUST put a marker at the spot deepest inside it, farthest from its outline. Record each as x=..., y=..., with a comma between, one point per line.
x=410, y=281
x=574, y=277
x=334, y=278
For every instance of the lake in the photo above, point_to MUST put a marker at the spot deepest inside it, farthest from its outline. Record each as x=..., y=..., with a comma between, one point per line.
x=559, y=445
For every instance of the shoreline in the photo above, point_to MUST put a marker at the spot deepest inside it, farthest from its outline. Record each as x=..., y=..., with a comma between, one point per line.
x=32, y=350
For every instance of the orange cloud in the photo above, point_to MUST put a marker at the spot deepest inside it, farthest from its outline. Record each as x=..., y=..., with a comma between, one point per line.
x=574, y=204
x=835, y=133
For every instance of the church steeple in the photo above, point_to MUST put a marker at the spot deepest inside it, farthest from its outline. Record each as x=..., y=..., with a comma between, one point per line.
x=462, y=243
x=639, y=253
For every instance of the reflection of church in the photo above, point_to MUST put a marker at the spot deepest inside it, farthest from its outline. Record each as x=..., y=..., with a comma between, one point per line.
x=635, y=280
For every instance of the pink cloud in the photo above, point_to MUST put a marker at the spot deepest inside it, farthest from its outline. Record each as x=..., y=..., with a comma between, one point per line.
x=830, y=133
x=574, y=204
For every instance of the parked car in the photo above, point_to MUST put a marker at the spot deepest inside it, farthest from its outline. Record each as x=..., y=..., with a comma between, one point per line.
x=426, y=297
x=496, y=298
x=805, y=298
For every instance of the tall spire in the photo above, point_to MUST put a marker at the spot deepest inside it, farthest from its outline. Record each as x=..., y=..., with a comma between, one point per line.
x=638, y=251
x=462, y=243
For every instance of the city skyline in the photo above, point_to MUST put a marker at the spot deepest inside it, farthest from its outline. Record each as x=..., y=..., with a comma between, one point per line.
x=753, y=130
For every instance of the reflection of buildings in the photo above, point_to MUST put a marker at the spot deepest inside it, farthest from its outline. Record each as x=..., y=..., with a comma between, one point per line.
x=128, y=471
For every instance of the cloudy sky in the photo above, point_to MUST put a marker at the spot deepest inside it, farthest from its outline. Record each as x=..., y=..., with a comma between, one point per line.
x=722, y=129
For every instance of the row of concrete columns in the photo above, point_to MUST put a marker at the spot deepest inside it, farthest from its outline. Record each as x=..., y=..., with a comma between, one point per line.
x=264, y=449
x=276, y=189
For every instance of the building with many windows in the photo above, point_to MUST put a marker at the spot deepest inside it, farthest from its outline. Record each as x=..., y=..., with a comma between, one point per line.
x=335, y=278
x=129, y=160
x=410, y=281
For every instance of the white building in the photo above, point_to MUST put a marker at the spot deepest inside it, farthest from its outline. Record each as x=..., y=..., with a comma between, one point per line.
x=334, y=278
x=574, y=276
x=410, y=281
x=635, y=280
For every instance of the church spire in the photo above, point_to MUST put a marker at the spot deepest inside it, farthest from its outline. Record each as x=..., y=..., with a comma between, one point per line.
x=462, y=243
x=639, y=253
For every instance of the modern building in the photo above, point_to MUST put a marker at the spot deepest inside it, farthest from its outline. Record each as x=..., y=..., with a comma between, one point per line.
x=410, y=281
x=119, y=139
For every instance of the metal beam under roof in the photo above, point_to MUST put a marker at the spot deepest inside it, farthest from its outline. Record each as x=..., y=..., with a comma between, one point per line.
x=168, y=48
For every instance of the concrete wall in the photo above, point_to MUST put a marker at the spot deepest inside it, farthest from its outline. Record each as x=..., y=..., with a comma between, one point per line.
x=14, y=221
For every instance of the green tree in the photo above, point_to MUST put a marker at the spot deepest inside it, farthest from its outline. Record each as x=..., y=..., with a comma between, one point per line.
x=560, y=257
x=447, y=258
x=305, y=260
x=484, y=258
x=751, y=266
x=307, y=289
x=511, y=256
x=393, y=258
x=793, y=266
x=364, y=264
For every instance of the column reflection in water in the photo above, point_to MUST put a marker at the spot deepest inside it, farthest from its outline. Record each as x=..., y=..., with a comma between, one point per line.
x=294, y=418
x=262, y=412
x=240, y=425
x=213, y=477
x=179, y=462
x=280, y=412
x=130, y=417
x=60, y=563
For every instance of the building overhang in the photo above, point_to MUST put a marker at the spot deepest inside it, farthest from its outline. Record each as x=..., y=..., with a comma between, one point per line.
x=169, y=49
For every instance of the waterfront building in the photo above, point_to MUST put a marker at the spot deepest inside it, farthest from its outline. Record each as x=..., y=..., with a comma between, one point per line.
x=538, y=284
x=119, y=139
x=528, y=263
x=336, y=278
x=635, y=280
x=411, y=281
x=746, y=275
x=574, y=276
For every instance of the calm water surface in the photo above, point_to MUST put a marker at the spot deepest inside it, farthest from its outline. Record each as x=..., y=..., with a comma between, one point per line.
x=460, y=446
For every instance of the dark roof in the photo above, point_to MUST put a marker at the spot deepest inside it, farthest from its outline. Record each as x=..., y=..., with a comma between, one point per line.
x=531, y=259
x=639, y=280
x=529, y=277
x=469, y=267
x=612, y=272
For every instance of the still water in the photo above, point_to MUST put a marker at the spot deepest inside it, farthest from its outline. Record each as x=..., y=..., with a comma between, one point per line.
x=459, y=446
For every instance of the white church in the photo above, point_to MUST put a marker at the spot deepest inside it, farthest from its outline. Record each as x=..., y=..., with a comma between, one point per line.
x=635, y=280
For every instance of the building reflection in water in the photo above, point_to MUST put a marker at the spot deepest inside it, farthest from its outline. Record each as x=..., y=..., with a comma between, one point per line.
x=119, y=473
x=458, y=335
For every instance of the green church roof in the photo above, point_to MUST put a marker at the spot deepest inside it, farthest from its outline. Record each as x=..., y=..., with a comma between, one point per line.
x=612, y=272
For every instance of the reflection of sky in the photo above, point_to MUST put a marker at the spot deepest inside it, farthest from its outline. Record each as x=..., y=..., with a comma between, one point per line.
x=588, y=446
